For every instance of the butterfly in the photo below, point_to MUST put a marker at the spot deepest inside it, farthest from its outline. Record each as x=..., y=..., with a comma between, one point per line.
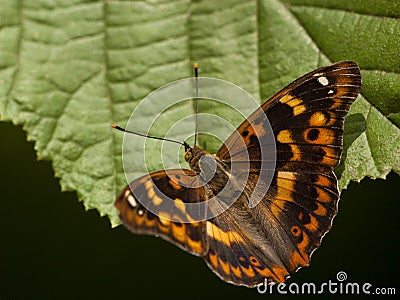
x=245, y=245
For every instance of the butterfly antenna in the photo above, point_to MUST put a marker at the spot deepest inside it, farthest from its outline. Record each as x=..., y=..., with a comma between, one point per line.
x=186, y=145
x=196, y=76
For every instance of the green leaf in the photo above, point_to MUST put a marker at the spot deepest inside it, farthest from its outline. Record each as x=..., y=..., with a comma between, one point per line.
x=70, y=68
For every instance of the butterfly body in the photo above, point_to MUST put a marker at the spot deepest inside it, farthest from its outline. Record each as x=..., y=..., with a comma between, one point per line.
x=243, y=243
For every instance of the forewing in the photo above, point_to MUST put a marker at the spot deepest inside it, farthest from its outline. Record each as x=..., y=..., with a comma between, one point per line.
x=306, y=118
x=156, y=189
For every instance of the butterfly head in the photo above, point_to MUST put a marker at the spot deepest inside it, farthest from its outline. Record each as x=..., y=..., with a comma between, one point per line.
x=193, y=154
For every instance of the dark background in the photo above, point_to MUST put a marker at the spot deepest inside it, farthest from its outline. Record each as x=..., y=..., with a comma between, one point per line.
x=52, y=249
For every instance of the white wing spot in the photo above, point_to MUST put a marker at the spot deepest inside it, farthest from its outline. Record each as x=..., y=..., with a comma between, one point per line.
x=330, y=92
x=317, y=74
x=323, y=80
x=132, y=200
x=140, y=212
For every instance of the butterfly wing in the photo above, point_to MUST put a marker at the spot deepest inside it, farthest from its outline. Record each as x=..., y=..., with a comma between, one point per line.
x=156, y=189
x=241, y=253
x=307, y=120
x=304, y=193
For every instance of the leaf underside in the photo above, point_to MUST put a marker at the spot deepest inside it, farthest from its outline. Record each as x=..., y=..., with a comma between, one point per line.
x=70, y=68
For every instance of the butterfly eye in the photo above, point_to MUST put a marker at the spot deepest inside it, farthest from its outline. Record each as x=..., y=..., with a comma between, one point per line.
x=188, y=155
